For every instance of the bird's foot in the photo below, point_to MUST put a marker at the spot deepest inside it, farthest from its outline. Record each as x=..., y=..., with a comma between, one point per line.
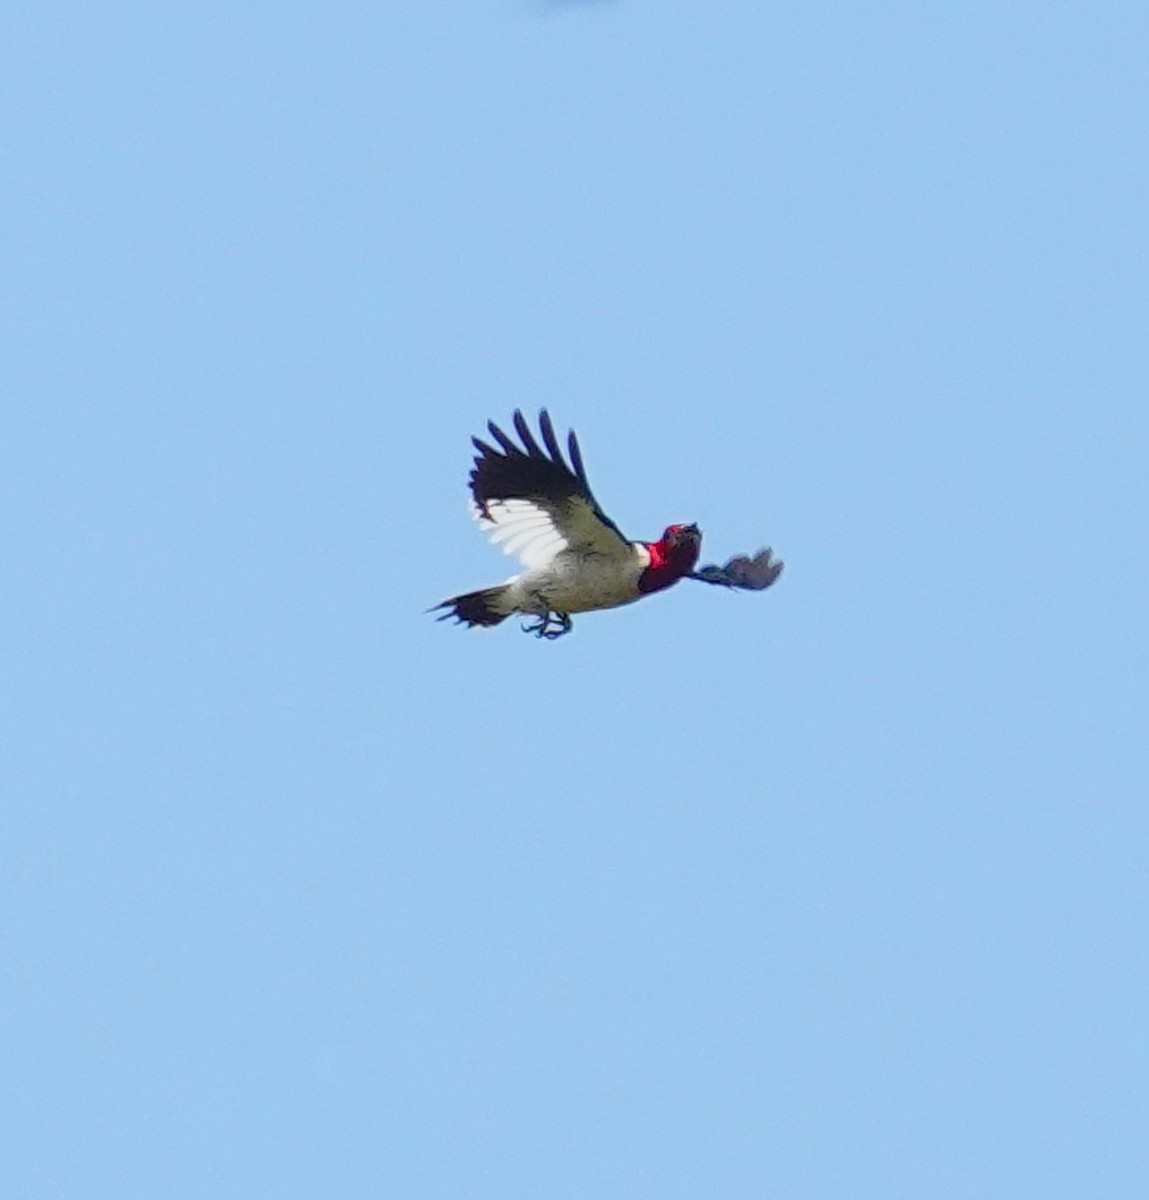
x=551, y=626
x=565, y=625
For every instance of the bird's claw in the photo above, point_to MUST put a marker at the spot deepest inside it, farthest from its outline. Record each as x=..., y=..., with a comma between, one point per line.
x=551, y=626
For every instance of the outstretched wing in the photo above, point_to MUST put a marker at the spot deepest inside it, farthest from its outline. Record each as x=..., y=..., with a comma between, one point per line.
x=752, y=574
x=532, y=503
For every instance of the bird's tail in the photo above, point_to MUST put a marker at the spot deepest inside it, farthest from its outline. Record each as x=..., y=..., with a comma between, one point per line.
x=486, y=607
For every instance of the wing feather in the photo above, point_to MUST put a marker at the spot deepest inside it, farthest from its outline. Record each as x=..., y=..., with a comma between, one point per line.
x=549, y=438
x=748, y=574
x=576, y=458
x=508, y=446
x=524, y=431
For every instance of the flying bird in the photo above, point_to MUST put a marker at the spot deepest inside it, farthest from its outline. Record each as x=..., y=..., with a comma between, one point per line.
x=575, y=559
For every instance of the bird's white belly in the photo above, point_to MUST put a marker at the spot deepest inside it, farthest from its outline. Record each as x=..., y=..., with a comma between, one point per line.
x=572, y=585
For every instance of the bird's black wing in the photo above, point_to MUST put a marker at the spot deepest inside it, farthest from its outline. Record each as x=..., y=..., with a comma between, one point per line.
x=750, y=574
x=532, y=503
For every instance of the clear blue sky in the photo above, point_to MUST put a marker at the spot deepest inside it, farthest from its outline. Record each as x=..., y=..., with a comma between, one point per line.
x=832, y=893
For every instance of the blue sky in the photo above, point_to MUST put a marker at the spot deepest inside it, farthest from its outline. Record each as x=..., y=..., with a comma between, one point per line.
x=833, y=892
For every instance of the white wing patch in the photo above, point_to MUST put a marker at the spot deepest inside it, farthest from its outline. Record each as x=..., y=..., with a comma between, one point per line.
x=522, y=528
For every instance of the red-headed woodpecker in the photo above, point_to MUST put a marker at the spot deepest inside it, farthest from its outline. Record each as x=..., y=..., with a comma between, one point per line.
x=575, y=558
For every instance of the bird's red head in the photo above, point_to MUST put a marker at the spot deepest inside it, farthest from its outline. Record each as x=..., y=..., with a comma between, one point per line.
x=674, y=555
x=682, y=542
